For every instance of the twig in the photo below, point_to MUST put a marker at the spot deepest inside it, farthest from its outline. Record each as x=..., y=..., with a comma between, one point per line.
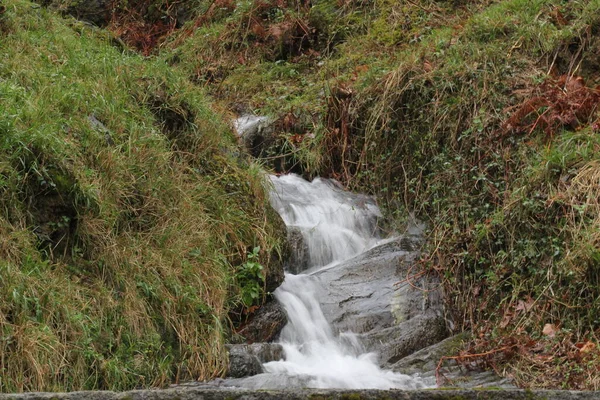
x=408, y=278
x=438, y=374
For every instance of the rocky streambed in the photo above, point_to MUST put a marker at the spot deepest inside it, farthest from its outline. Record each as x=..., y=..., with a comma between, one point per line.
x=399, y=321
x=356, y=313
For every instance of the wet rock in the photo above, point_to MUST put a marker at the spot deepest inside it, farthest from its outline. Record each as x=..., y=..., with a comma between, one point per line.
x=299, y=258
x=266, y=352
x=274, y=276
x=364, y=296
x=425, y=362
x=428, y=358
x=242, y=364
x=246, y=356
x=380, y=296
x=256, y=133
x=399, y=341
x=247, y=359
x=195, y=391
x=264, y=325
x=459, y=377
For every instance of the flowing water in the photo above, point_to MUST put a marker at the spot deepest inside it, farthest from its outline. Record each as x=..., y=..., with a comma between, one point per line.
x=335, y=225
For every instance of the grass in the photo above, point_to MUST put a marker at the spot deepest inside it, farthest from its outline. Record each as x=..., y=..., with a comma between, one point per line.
x=125, y=214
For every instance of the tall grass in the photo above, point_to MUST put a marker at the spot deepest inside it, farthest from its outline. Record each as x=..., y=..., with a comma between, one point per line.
x=124, y=213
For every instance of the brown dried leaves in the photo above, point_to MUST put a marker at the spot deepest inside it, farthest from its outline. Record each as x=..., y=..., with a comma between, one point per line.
x=557, y=103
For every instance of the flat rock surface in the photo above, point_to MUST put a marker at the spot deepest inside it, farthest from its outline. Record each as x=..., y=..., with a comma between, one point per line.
x=198, y=393
x=365, y=293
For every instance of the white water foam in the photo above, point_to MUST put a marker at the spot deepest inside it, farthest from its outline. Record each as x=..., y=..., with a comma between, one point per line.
x=336, y=225
x=318, y=357
x=248, y=122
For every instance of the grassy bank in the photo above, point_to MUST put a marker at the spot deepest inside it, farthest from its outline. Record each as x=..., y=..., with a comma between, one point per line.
x=126, y=214
x=128, y=220
x=480, y=117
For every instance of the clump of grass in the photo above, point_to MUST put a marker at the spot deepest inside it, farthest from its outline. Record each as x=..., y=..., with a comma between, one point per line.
x=125, y=213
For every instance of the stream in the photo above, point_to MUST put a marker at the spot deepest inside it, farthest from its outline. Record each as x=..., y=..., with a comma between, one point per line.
x=335, y=226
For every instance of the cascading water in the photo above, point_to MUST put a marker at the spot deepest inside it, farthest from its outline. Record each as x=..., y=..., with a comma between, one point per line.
x=335, y=226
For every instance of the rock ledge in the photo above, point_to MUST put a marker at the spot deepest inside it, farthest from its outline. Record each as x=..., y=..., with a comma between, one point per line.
x=196, y=393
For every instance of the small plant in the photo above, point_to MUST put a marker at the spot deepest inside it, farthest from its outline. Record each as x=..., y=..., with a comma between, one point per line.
x=251, y=279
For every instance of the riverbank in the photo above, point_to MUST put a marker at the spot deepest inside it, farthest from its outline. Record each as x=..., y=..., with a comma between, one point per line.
x=132, y=229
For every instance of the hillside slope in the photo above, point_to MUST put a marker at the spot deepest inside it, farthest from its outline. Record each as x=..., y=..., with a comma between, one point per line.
x=126, y=215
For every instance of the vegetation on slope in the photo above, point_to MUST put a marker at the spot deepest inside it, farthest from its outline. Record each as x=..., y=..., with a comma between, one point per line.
x=480, y=117
x=126, y=215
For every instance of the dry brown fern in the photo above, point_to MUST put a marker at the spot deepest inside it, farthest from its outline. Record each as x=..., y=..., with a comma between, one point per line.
x=557, y=103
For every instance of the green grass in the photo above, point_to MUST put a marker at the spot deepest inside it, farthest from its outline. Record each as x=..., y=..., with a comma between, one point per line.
x=125, y=212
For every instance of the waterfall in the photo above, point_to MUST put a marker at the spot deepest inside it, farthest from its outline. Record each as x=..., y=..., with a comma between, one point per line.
x=335, y=225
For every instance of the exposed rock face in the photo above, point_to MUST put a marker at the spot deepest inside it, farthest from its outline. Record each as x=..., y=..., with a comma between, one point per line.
x=398, y=341
x=246, y=359
x=242, y=364
x=299, y=257
x=264, y=325
x=427, y=359
x=392, y=320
